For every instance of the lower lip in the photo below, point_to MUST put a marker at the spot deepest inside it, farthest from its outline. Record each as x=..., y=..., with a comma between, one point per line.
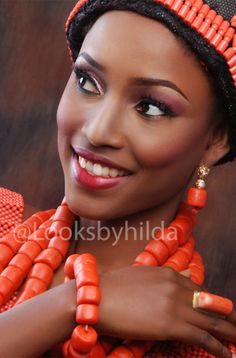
x=89, y=181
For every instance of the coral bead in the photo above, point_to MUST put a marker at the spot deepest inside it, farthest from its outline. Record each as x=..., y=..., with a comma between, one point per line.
x=35, y=285
x=169, y=238
x=184, y=228
x=184, y=10
x=83, y=340
x=42, y=272
x=88, y=294
x=30, y=249
x=51, y=257
x=33, y=222
x=96, y=352
x=158, y=250
x=180, y=260
x=87, y=314
x=86, y=277
x=59, y=244
x=122, y=352
x=86, y=258
x=60, y=228
x=139, y=348
x=233, y=21
x=169, y=3
x=177, y=5
x=11, y=241
x=188, y=250
x=21, y=261
x=88, y=266
x=25, y=295
x=14, y=274
x=197, y=197
x=64, y=214
x=201, y=16
x=6, y=288
x=197, y=275
x=193, y=12
x=69, y=266
x=5, y=254
x=232, y=61
x=44, y=215
x=146, y=259
x=40, y=238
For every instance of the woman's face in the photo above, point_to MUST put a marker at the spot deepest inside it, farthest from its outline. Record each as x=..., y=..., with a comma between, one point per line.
x=140, y=100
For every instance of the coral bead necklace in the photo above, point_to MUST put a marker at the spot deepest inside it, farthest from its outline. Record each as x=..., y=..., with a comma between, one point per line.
x=36, y=248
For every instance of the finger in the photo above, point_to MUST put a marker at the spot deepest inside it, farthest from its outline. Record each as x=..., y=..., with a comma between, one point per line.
x=189, y=334
x=218, y=327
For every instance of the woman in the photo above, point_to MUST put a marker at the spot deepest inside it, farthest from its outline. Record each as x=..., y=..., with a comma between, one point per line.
x=140, y=112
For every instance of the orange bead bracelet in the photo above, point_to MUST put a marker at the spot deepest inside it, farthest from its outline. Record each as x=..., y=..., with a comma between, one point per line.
x=84, y=337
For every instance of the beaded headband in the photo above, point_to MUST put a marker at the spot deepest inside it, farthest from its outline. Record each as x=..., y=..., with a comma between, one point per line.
x=207, y=22
x=205, y=25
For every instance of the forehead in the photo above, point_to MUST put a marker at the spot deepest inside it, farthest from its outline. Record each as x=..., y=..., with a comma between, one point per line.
x=133, y=45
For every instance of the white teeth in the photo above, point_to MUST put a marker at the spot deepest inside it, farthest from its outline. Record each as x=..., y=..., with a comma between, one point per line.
x=83, y=163
x=89, y=166
x=113, y=173
x=98, y=170
x=105, y=171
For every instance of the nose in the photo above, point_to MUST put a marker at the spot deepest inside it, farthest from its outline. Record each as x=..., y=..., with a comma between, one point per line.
x=103, y=124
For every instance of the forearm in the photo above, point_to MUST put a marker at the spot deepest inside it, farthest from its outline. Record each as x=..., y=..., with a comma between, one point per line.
x=35, y=326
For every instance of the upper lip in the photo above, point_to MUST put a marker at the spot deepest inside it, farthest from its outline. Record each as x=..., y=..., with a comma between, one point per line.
x=88, y=155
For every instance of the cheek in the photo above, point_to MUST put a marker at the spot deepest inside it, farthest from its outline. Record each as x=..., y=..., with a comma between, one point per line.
x=170, y=144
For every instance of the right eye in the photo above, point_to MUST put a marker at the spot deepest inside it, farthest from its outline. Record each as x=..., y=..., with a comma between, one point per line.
x=86, y=83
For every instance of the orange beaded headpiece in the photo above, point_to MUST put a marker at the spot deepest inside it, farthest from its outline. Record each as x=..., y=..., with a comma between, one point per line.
x=208, y=27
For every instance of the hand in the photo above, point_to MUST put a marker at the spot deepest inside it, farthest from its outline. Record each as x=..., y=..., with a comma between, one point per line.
x=150, y=303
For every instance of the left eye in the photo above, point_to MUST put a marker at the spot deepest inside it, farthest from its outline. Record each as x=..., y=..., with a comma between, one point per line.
x=86, y=83
x=149, y=109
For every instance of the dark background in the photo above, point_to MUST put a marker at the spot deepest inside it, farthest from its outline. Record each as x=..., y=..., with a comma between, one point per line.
x=34, y=66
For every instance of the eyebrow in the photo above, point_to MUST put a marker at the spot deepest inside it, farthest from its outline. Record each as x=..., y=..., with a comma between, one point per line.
x=92, y=62
x=139, y=81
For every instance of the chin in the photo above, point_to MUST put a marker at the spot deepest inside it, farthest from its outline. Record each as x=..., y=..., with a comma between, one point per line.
x=88, y=209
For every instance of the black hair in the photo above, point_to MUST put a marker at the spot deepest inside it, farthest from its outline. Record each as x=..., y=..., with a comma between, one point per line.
x=217, y=67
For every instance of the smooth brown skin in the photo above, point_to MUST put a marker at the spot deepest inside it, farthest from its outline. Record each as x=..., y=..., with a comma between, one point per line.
x=109, y=124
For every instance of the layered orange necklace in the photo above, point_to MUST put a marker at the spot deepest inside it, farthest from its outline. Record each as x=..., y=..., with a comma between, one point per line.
x=31, y=252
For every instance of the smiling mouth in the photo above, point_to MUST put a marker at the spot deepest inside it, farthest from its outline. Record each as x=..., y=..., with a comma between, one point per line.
x=97, y=169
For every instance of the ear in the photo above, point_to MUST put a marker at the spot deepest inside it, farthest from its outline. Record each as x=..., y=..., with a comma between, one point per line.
x=217, y=148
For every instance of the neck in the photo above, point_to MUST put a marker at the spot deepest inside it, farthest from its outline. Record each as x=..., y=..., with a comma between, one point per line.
x=117, y=242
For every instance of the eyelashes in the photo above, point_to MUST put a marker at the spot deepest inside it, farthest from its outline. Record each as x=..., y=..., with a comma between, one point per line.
x=86, y=83
x=147, y=106
x=151, y=107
